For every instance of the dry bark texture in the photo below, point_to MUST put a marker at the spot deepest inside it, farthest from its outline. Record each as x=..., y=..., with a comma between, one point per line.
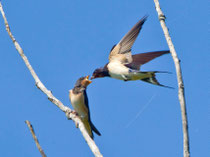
x=161, y=16
x=35, y=138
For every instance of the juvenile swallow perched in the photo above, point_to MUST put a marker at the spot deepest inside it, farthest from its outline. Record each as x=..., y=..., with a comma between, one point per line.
x=125, y=66
x=79, y=101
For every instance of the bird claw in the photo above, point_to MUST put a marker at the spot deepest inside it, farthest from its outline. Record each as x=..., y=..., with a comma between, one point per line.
x=74, y=112
x=71, y=112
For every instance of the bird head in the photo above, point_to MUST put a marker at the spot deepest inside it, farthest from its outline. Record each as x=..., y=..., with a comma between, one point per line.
x=100, y=72
x=83, y=82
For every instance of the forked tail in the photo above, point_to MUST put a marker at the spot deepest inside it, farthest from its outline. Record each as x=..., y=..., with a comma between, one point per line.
x=95, y=129
x=153, y=79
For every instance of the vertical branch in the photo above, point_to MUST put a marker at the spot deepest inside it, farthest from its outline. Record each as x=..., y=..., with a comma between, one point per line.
x=35, y=138
x=181, y=95
x=49, y=94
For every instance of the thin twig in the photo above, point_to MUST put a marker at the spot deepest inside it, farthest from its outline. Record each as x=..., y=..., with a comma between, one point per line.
x=35, y=138
x=161, y=16
x=49, y=94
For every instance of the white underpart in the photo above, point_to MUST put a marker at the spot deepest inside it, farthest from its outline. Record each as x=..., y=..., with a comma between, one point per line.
x=77, y=101
x=118, y=70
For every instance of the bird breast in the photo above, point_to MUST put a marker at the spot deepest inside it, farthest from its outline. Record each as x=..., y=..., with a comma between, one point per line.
x=117, y=70
x=78, y=103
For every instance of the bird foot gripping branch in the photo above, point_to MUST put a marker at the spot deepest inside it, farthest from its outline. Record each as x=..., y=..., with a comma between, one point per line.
x=70, y=114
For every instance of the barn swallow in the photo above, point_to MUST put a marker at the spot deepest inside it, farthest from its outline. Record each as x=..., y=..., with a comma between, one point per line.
x=79, y=101
x=125, y=66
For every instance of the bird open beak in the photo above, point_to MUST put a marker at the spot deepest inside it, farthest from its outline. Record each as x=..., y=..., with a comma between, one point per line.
x=87, y=80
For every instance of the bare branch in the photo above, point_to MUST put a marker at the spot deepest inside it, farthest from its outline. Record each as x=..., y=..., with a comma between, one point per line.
x=49, y=94
x=161, y=16
x=35, y=138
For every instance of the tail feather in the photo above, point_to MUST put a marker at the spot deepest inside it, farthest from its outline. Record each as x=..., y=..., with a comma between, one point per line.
x=154, y=81
x=88, y=127
x=167, y=72
x=94, y=129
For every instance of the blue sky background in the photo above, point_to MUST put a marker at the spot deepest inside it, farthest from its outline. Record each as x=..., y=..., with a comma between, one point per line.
x=65, y=40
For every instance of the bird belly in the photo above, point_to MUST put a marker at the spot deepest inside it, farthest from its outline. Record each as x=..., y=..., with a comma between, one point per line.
x=139, y=75
x=117, y=70
x=78, y=104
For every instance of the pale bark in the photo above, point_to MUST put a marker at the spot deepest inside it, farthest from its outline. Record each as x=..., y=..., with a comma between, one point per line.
x=40, y=85
x=161, y=16
x=35, y=138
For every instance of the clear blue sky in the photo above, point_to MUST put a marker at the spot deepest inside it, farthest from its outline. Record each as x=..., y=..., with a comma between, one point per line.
x=65, y=40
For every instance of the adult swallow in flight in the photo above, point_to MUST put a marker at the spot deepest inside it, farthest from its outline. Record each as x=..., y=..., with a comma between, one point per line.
x=79, y=101
x=125, y=66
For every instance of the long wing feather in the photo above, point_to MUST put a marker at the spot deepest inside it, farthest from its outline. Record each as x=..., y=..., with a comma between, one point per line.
x=89, y=119
x=127, y=41
x=142, y=58
x=125, y=44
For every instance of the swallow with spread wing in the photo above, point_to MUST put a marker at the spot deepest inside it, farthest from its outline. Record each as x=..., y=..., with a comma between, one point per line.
x=79, y=101
x=125, y=66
